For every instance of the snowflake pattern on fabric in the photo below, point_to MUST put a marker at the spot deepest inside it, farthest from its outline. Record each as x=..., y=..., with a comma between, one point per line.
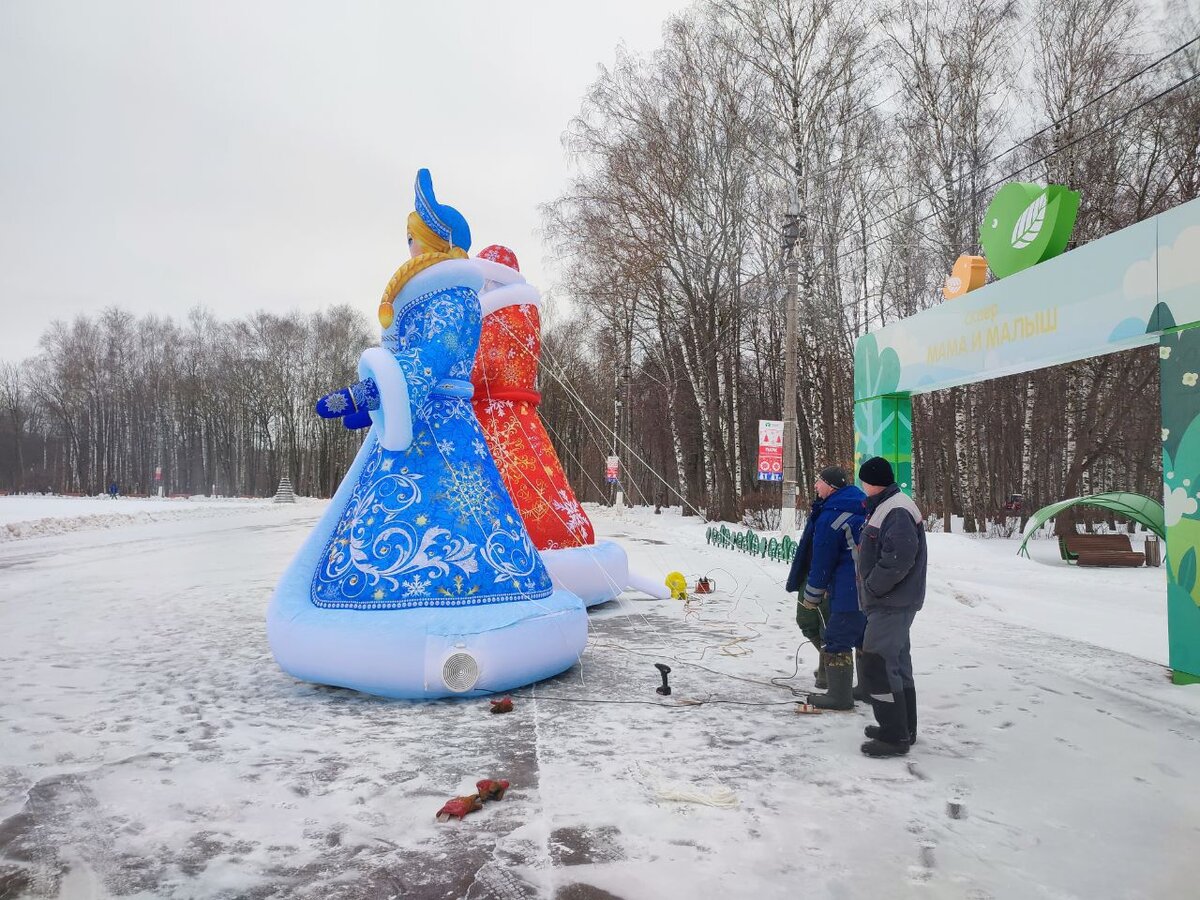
x=506, y=401
x=431, y=525
x=365, y=394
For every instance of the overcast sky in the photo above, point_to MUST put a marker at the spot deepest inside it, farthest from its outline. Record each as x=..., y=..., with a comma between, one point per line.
x=261, y=155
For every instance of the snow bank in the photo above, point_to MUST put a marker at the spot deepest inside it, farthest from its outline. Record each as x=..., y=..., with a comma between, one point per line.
x=34, y=515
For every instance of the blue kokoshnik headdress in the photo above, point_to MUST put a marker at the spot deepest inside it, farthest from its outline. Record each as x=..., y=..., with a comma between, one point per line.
x=444, y=221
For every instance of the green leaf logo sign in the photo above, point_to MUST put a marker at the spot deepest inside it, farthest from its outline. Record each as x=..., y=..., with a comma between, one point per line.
x=1026, y=224
x=1029, y=226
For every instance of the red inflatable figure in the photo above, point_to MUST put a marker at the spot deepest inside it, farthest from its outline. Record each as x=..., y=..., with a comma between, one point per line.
x=506, y=401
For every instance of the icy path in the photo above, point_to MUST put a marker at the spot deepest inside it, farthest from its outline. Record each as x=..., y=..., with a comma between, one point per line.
x=149, y=746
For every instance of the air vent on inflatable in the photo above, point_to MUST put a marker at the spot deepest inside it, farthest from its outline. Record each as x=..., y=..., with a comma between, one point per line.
x=460, y=672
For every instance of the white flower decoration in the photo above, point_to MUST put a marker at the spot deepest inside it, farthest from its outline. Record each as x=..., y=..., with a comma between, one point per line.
x=1189, y=378
x=1164, y=352
x=1166, y=432
x=1178, y=505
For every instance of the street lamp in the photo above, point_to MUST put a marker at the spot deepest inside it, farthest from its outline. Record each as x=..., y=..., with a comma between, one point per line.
x=791, y=229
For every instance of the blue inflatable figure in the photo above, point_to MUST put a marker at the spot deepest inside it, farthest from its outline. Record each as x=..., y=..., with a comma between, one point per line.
x=420, y=579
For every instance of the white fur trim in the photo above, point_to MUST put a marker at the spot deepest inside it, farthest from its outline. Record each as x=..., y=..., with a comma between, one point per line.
x=509, y=295
x=446, y=274
x=498, y=272
x=393, y=419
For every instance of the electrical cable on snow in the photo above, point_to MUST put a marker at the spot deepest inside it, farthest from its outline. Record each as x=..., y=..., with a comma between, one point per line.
x=559, y=377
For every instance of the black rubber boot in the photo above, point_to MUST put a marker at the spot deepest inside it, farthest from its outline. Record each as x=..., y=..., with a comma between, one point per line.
x=892, y=738
x=884, y=748
x=861, y=694
x=839, y=669
x=872, y=731
x=910, y=708
x=820, y=677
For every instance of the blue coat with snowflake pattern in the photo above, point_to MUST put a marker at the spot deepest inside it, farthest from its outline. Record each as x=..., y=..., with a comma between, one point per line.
x=429, y=522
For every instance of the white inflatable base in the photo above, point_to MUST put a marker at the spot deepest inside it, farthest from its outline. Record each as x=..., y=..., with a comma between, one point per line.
x=428, y=652
x=420, y=653
x=598, y=573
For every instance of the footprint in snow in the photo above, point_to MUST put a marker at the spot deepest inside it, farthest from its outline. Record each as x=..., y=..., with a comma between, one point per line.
x=916, y=771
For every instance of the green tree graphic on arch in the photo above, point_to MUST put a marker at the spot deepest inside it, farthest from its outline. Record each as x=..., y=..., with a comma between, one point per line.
x=875, y=373
x=882, y=423
x=1180, y=374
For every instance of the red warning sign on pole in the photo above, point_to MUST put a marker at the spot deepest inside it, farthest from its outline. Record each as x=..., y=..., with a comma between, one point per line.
x=612, y=470
x=770, y=450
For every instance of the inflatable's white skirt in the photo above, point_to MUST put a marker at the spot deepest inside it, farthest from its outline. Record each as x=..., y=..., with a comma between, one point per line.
x=428, y=652
x=419, y=653
x=599, y=572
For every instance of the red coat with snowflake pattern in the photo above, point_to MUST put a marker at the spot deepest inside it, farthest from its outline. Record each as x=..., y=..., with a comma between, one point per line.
x=506, y=402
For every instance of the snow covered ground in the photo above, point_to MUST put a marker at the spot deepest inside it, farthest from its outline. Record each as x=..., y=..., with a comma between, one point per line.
x=149, y=747
x=34, y=515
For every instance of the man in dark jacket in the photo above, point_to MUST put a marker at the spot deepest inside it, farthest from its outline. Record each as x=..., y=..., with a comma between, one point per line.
x=892, y=560
x=823, y=573
x=811, y=621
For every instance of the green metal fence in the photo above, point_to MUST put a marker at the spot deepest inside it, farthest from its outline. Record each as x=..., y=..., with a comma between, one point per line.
x=777, y=549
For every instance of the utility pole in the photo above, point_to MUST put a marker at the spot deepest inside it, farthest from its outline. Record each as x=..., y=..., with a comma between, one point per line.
x=791, y=234
x=618, y=494
x=627, y=405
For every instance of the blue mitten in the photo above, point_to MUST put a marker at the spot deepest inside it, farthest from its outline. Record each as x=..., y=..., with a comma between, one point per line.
x=360, y=419
x=335, y=405
x=351, y=401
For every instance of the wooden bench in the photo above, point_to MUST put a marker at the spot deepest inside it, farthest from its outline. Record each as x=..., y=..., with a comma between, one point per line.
x=1099, y=550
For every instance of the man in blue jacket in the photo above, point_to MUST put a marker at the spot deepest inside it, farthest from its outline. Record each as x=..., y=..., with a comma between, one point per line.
x=892, y=560
x=823, y=570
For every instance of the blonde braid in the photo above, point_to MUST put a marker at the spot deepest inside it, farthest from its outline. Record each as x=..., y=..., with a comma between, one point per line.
x=406, y=272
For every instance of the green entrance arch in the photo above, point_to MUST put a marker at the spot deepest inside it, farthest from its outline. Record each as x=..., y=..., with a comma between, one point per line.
x=1125, y=503
x=1138, y=286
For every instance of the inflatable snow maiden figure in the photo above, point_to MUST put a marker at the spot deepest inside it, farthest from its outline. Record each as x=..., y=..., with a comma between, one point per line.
x=506, y=401
x=420, y=579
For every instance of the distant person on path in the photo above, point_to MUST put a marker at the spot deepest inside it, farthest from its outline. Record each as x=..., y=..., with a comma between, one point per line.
x=112, y=489
x=823, y=574
x=892, y=560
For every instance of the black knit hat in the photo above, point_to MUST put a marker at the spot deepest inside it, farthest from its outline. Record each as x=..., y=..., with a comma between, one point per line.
x=835, y=477
x=877, y=471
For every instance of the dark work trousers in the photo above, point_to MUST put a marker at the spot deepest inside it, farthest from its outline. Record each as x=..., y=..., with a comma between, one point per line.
x=887, y=637
x=844, y=631
x=887, y=670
